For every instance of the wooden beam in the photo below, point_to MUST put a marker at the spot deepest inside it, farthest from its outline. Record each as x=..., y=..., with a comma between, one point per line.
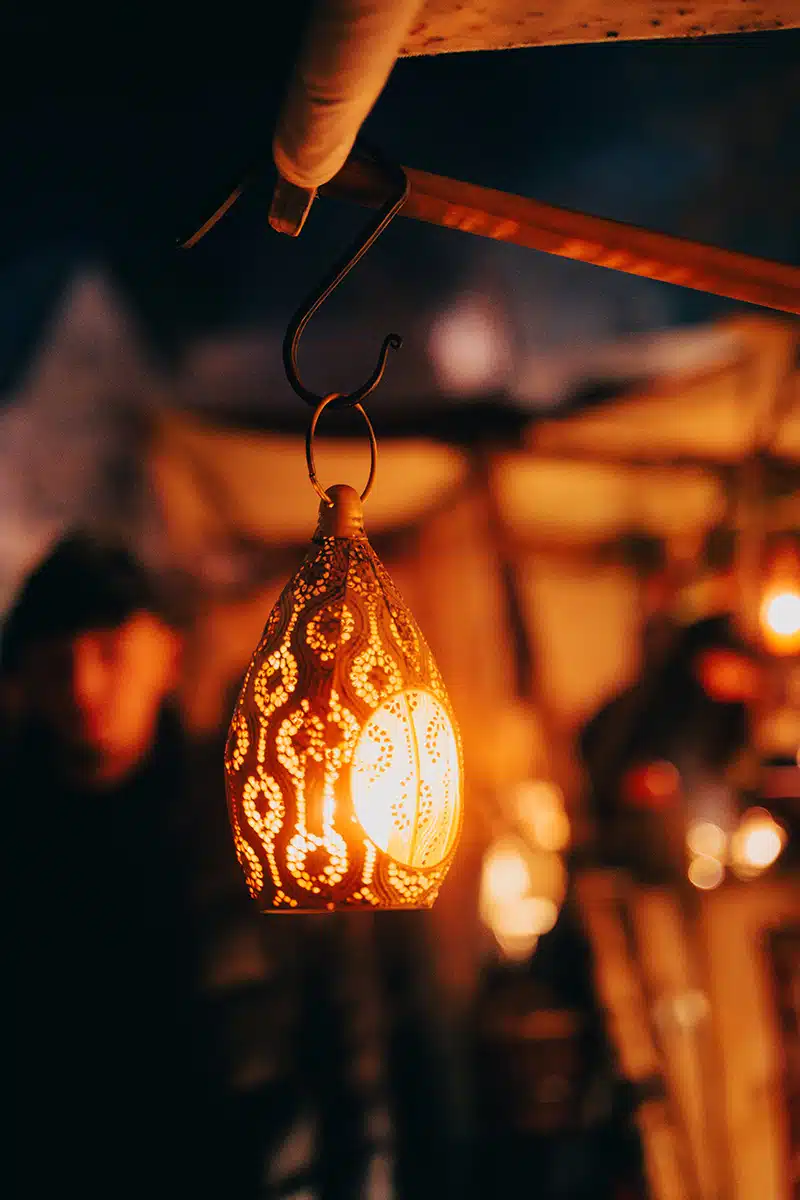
x=620, y=247
x=455, y=26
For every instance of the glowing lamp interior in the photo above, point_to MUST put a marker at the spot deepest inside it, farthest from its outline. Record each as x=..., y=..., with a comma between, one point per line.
x=404, y=768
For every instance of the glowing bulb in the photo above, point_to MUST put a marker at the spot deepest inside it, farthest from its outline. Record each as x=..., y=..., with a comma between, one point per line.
x=395, y=796
x=514, y=901
x=516, y=947
x=757, y=843
x=469, y=349
x=541, y=913
x=780, y=620
x=518, y=923
x=506, y=875
x=540, y=808
x=706, y=872
x=706, y=838
x=653, y=786
x=343, y=761
x=782, y=614
x=762, y=847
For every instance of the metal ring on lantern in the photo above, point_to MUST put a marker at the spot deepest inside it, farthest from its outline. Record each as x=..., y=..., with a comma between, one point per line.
x=373, y=448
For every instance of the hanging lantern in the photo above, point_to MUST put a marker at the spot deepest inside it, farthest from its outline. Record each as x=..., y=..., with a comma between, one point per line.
x=343, y=762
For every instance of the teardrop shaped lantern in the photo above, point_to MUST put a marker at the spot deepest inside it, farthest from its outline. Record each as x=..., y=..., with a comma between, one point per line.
x=343, y=762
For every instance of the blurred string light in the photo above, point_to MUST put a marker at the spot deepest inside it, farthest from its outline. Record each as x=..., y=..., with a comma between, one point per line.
x=539, y=808
x=782, y=615
x=756, y=844
x=707, y=838
x=753, y=846
x=654, y=786
x=523, y=878
x=706, y=872
x=469, y=348
x=780, y=606
x=683, y=1010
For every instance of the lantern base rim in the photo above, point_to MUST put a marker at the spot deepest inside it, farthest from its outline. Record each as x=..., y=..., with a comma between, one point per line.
x=341, y=908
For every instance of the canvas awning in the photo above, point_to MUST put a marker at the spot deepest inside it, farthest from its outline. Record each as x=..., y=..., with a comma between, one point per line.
x=213, y=482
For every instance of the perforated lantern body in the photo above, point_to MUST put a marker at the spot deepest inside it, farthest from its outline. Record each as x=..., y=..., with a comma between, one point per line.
x=343, y=763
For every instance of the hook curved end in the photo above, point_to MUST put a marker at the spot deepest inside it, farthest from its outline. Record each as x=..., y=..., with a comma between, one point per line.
x=392, y=341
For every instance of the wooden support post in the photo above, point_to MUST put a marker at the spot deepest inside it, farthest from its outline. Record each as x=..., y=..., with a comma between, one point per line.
x=619, y=988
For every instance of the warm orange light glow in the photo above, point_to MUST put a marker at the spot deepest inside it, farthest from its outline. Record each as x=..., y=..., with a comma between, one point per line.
x=343, y=762
x=728, y=677
x=404, y=771
x=518, y=926
x=506, y=874
x=780, y=607
x=757, y=843
x=516, y=947
x=780, y=618
x=539, y=806
x=520, y=895
x=706, y=838
x=782, y=613
x=706, y=872
x=653, y=785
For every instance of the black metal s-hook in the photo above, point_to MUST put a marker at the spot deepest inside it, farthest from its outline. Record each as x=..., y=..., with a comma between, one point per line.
x=311, y=304
x=392, y=341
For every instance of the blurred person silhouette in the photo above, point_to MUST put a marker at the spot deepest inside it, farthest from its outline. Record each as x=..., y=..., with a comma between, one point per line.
x=668, y=743
x=121, y=1084
x=665, y=751
x=171, y=1040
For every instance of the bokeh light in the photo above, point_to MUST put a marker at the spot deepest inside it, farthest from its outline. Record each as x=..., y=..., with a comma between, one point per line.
x=707, y=838
x=706, y=872
x=780, y=620
x=539, y=807
x=757, y=843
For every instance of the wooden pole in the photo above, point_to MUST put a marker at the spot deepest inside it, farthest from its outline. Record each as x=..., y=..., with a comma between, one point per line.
x=507, y=218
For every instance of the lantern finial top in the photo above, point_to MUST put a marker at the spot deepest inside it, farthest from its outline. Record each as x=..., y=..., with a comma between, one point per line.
x=343, y=517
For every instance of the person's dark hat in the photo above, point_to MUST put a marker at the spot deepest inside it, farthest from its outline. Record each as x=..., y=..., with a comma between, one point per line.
x=83, y=583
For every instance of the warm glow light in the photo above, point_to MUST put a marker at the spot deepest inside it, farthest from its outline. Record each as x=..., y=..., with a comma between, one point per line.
x=343, y=761
x=539, y=806
x=706, y=872
x=782, y=614
x=686, y=1009
x=506, y=875
x=513, y=901
x=541, y=913
x=404, y=768
x=757, y=843
x=780, y=607
x=762, y=846
x=653, y=785
x=706, y=838
x=469, y=349
x=516, y=947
